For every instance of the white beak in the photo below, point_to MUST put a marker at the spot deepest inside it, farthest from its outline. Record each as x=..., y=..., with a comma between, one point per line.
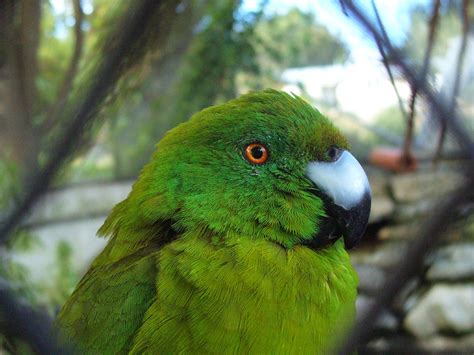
x=344, y=181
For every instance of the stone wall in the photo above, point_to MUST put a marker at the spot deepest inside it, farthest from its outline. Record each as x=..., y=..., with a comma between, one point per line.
x=72, y=214
x=433, y=313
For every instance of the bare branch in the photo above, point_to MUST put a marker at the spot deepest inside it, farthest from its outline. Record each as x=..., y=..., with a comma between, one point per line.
x=19, y=32
x=430, y=234
x=386, y=62
x=120, y=52
x=407, y=155
x=382, y=133
x=26, y=48
x=65, y=89
x=343, y=8
x=123, y=48
x=446, y=213
x=457, y=80
x=437, y=102
x=23, y=323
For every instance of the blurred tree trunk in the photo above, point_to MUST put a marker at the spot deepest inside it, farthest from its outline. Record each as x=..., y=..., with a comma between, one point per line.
x=27, y=119
x=19, y=40
x=158, y=97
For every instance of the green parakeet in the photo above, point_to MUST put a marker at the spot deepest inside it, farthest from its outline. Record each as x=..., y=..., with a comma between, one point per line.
x=229, y=241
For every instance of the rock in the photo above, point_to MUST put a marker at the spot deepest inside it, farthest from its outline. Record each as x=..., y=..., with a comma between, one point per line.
x=75, y=202
x=424, y=184
x=371, y=278
x=453, y=262
x=399, y=231
x=409, y=220
x=81, y=236
x=444, y=308
x=400, y=344
x=418, y=210
x=382, y=205
x=463, y=231
x=378, y=179
x=389, y=345
x=382, y=208
x=407, y=297
x=467, y=232
x=383, y=255
x=437, y=344
x=386, y=321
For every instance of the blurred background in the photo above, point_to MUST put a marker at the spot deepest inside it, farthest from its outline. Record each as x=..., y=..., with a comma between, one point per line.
x=199, y=53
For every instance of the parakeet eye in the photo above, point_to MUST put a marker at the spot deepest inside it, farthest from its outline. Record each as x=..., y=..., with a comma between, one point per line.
x=256, y=153
x=333, y=153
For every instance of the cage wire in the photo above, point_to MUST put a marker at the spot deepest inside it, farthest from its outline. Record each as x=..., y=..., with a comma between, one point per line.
x=34, y=329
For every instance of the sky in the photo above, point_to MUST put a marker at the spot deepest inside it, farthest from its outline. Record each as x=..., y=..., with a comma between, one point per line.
x=394, y=14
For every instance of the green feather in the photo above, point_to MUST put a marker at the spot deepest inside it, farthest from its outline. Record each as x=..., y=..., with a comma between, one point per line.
x=108, y=305
x=205, y=255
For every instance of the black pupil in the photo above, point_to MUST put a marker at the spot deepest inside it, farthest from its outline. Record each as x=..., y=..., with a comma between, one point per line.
x=257, y=152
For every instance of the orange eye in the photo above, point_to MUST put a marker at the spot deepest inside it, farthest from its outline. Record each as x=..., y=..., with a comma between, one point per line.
x=256, y=153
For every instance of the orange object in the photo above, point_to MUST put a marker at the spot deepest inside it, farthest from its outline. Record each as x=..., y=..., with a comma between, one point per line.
x=392, y=159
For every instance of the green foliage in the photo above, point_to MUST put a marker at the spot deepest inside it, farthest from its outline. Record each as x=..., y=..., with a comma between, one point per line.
x=53, y=56
x=64, y=277
x=449, y=27
x=214, y=58
x=9, y=182
x=231, y=52
x=13, y=346
x=10, y=345
x=18, y=277
x=295, y=39
x=4, y=344
x=50, y=294
x=24, y=241
x=174, y=89
x=392, y=120
x=95, y=166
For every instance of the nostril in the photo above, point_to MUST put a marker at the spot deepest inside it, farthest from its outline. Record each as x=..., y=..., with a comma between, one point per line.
x=333, y=153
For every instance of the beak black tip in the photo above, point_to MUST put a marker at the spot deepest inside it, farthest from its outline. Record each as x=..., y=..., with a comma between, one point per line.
x=356, y=220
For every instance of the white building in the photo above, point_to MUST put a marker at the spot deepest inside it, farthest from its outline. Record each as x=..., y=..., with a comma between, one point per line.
x=362, y=88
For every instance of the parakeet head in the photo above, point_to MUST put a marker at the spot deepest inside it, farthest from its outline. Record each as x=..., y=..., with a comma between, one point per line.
x=266, y=165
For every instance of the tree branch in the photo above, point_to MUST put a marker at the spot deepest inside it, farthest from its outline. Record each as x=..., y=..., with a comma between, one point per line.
x=121, y=49
x=434, y=20
x=20, y=39
x=380, y=132
x=440, y=220
x=26, y=45
x=412, y=262
x=65, y=89
x=385, y=59
x=437, y=102
x=457, y=80
x=23, y=323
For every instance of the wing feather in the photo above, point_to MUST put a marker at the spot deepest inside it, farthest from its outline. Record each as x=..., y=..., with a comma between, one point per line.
x=111, y=299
